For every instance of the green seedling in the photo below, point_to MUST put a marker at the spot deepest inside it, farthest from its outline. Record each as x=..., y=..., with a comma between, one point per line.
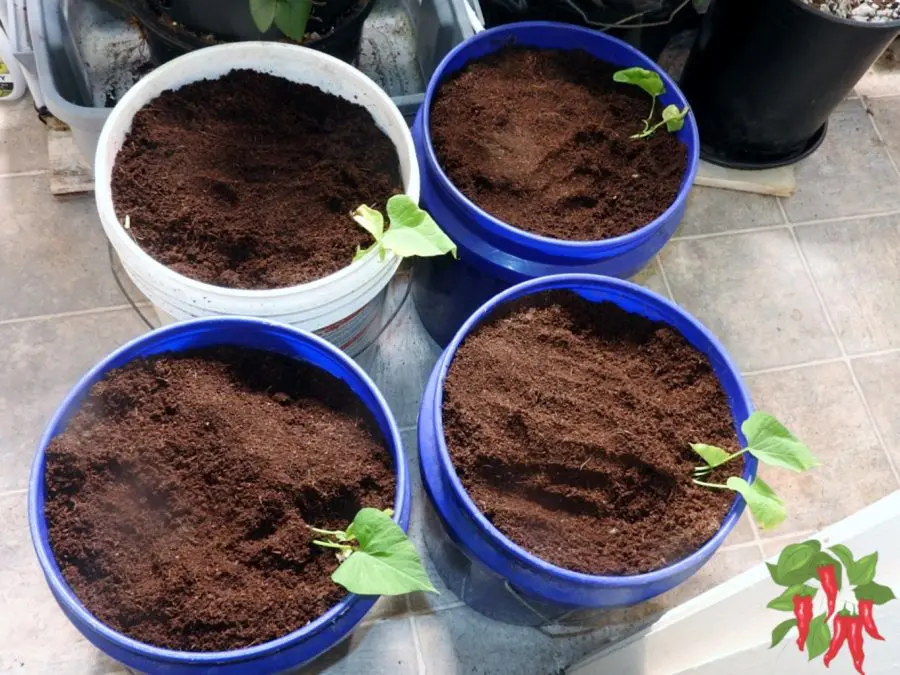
x=289, y=16
x=652, y=83
x=412, y=231
x=771, y=443
x=377, y=558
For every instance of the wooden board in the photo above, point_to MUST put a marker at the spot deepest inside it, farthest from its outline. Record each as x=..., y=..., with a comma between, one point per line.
x=69, y=172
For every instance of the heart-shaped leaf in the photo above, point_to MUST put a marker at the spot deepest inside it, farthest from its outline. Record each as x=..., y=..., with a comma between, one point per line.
x=765, y=506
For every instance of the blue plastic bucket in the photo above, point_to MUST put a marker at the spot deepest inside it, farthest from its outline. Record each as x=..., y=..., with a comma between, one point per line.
x=489, y=571
x=290, y=650
x=495, y=255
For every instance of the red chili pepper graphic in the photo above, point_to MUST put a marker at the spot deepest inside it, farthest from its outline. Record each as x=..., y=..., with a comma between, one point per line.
x=868, y=621
x=829, y=585
x=841, y=632
x=855, y=642
x=803, y=610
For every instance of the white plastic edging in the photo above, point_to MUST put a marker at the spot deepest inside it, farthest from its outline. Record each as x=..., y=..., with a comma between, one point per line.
x=351, y=297
x=728, y=629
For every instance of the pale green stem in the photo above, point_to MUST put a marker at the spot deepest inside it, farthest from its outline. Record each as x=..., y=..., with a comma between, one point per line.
x=717, y=486
x=328, y=544
x=337, y=534
x=706, y=468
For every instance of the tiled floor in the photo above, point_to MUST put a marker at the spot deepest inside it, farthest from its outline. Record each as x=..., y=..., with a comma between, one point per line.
x=804, y=292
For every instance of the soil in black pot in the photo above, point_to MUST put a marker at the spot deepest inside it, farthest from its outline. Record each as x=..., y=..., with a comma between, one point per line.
x=568, y=423
x=540, y=140
x=179, y=495
x=248, y=181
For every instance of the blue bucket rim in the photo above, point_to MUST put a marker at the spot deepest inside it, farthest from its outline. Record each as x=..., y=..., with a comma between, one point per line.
x=519, y=235
x=41, y=544
x=509, y=547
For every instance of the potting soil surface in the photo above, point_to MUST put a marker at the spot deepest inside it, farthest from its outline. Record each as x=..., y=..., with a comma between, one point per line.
x=248, y=181
x=179, y=495
x=540, y=140
x=569, y=424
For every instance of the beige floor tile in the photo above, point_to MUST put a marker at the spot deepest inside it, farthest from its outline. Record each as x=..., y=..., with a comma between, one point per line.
x=712, y=210
x=651, y=277
x=752, y=291
x=821, y=406
x=849, y=175
x=879, y=378
x=856, y=265
x=53, y=252
x=23, y=138
x=39, y=363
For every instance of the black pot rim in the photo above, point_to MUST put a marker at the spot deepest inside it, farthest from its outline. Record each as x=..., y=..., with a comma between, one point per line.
x=868, y=25
x=769, y=162
x=148, y=20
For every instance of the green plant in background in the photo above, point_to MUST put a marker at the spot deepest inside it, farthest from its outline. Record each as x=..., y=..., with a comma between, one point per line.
x=412, y=231
x=771, y=443
x=289, y=16
x=377, y=558
x=652, y=83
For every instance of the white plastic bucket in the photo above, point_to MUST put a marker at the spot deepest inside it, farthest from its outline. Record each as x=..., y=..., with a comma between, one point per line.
x=345, y=307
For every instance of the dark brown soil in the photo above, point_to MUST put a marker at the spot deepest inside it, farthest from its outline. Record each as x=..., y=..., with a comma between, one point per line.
x=540, y=140
x=248, y=181
x=178, y=497
x=569, y=423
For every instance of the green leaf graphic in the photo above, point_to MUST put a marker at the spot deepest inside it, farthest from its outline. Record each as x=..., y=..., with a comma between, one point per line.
x=785, y=601
x=863, y=571
x=878, y=594
x=771, y=443
x=795, y=562
x=819, y=637
x=781, y=630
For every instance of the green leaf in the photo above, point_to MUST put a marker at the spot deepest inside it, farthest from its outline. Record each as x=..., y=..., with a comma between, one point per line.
x=291, y=17
x=712, y=455
x=795, y=562
x=386, y=562
x=776, y=577
x=767, y=508
x=878, y=594
x=781, y=630
x=819, y=637
x=263, y=13
x=674, y=117
x=785, y=601
x=844, y=555
x=413, y=232
x=771, y=443
x=370, y=220
x=361, y=252
x=863, y=571
x=641, y=77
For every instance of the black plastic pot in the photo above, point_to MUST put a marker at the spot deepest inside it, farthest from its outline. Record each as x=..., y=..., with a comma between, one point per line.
x=764, y=75
x=209, y=22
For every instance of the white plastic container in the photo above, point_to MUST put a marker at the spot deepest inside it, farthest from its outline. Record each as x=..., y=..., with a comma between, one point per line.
x=344, y=307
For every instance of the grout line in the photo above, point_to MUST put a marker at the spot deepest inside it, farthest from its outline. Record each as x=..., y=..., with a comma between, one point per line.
x=744, y=230
x=24, y=174
x=846, y=359
x=839, y=219
x=822, y=362
x=878, y=135
x=78, y=312
x=664, y=276
x=417, y=644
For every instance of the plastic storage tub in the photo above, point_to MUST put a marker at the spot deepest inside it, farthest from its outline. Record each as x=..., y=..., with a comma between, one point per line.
x=490, y=572
x=290, y=650
x=494, y=255
x=344, y=307
x=403, y=40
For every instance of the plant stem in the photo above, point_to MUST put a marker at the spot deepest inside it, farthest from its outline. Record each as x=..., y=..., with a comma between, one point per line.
x=327, y=544
x=337, y=534
x=707, y=469
x=717, y=486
